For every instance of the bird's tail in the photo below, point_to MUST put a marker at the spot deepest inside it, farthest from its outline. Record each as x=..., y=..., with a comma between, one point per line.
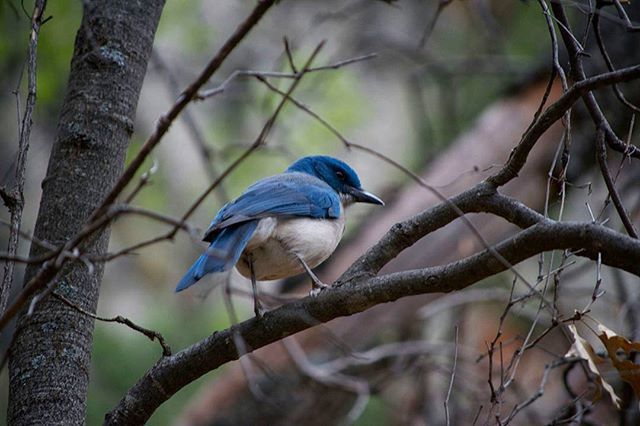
x=222, y=254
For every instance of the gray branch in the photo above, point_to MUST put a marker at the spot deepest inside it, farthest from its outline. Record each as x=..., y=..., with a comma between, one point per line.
x=359, y=289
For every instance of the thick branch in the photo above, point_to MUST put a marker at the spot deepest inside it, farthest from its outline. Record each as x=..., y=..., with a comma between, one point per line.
x=481, y=198
x=170, y=374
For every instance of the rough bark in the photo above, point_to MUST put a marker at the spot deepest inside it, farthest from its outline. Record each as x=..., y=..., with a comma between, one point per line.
x=50, y=355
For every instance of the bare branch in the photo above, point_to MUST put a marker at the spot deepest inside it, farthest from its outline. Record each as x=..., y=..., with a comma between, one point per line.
x=275, y=74
x=552, y=114
x=623, y=14
x=453, y=375
x=578, y=73
x=601, y=150
x=362, y=291
x=100, y=216
x=151, y=334
x=14, y=199
x=183, y=100
x=607, y=59
x=287, y=50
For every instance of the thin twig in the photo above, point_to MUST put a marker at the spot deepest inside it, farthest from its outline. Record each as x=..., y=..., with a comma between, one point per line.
x=630, y=26
x=442, y=4
x=601, y=150
x=151, y=334
x=204, y=94
x=287, y=50
x=607, y=59
x=29, y=237
x=16, y=205
x=144, y=180
x=453, y=375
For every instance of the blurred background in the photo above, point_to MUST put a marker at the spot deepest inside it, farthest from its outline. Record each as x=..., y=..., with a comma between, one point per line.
x=451, y=90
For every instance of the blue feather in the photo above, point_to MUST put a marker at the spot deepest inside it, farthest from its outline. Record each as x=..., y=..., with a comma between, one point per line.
x=223, y=253
x=286, y=195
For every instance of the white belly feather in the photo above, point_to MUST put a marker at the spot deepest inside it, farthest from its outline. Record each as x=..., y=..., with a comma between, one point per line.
x=276, y=242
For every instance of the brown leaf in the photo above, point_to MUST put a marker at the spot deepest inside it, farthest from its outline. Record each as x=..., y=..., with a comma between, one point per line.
x=628, y=370
x=584, y=350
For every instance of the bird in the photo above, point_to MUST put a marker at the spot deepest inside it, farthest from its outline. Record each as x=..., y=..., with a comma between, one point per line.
x=282, y=225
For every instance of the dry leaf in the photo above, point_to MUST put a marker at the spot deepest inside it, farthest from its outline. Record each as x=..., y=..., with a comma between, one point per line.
x=584, y=350
x=628, y=370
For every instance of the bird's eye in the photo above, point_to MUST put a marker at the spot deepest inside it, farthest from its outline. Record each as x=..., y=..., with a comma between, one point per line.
x=340, y=175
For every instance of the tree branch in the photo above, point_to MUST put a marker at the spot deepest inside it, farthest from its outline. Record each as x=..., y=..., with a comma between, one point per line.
x=183, y=100
x=581, y=89
x=363, y=291
x=100, y=216
x=601, y=153
x=150, y=334
x=14, y=199
x=579, y=75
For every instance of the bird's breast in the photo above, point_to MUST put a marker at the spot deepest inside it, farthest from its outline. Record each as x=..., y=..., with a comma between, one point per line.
x=276, y=244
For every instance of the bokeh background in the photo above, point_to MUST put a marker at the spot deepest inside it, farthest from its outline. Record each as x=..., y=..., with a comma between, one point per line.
x=447, y=107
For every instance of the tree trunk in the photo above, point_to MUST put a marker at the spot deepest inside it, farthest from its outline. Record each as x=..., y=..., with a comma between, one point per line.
x=50, y=356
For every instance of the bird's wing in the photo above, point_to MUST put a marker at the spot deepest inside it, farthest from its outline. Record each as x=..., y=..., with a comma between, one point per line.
x=285, y=195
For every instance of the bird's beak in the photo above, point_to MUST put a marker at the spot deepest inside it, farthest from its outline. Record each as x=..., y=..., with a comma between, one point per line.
x=362, y=196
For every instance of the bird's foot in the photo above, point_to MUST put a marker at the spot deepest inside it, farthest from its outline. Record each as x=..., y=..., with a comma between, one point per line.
x=258, y=310
x=316, y=287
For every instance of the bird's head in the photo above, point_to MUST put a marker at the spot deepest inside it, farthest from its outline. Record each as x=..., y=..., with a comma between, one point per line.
x=338, y=175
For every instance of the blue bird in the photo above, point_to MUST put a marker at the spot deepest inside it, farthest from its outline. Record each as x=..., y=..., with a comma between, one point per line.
x=282, y=225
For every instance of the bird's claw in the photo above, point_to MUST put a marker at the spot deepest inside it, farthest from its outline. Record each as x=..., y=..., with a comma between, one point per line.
x=258, y=310
x=316, y=288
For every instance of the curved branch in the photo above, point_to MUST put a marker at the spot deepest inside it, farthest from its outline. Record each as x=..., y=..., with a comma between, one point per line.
x=607, y=59
x=357, y=294
x=481, y=198
x=582, y=88
x=579, y=75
